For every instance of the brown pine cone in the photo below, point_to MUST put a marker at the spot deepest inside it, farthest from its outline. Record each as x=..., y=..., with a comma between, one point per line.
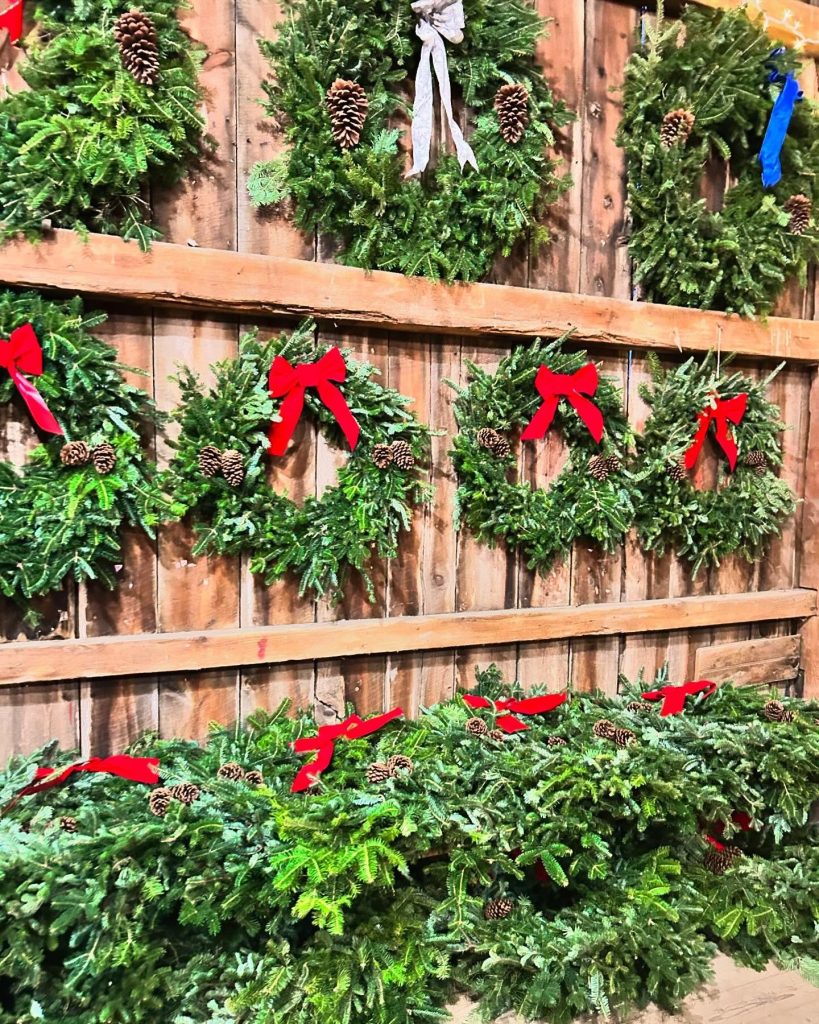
x=348, y=105
x=136, y=37
x=254, y=777
x=378, y=772
x=604, y=729
x=210, y=460
x=494, y=442
x=512, y=107
x=68, y=824
x=185, y=792
x=402, y=454
x=382, y=455
x=598, y=468
x=497, y=909
x=477, y=726
x=555, y=741
x=676, y=128
x=676, y=470
x=233, y=467
x=775, y=711
x=639, y=707
x=498, y=735
x=400, y=763
x=758, y=461
x=718, y=861
x=231, y=770
x=159, y=800
x=799, y=207
x=104, y=457
x=612, y=464
x=624, y=737
x=75, y=453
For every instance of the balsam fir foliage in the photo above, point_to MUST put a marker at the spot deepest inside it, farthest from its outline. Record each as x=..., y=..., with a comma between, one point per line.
x=56, y=521
x=448, y=224
x=83, y=147
x=745, y=509
x=543, y=521
x=325, y=538
x=363, y=904
x=737, y=258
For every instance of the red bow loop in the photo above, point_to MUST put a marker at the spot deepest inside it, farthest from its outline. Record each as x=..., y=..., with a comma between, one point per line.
x=721, y=412
x=290, y=384
x=574, y=387
x=22, y=354
x=12, y=20
x=324, y=743
x=135, y=769
x=673, y=697
x=507, y=709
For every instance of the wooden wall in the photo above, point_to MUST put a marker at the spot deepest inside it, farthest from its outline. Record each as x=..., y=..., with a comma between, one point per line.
x=164, y=589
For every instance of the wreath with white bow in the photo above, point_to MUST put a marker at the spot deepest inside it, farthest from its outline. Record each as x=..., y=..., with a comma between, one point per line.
x=341, y=92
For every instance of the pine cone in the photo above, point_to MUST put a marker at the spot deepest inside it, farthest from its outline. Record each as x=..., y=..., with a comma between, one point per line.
x=494, y=442
x=382, y=455
x=676, y=128
x=639, y=707
x=676, y=470
x=231, y=770
x=512, y=106
x=402, y=454
x=604, y=729
x=135, y=34
x=799, y=207
x=624, y=737
x=758, y=461
x=210, y=460
x=348, y=104
x=555, y=741
x=104, y=457
x=378, y=772
x=598, y=468
x=185, y=792
x=233, y=467
x=477, y=726
x=254, y=777
x=75, y=453
x=496, y=910
x=718, y=861
x=612, y=464
x=159, y=800
x=400, y=763
x=68, y=824
x=498, y=735
x=775, y=711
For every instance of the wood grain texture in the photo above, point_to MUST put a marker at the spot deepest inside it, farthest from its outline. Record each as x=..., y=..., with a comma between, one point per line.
x=764, y=660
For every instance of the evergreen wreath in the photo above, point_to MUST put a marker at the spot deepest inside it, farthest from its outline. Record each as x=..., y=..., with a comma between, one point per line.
x=61, y=514
x=447, y=224
x=111, y=112
x=325, y=537
x=688, y=101
x=748, y=505
x=553, y=879
x=591, y=497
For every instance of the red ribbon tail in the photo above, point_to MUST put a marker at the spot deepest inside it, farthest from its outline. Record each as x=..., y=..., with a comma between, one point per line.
x=590, y=414
x=290, y=411
x=336, y=403
x=727, y=443
x=12, y=19
x=40, y=412
x=134, y=769
x=538, y=705
x=541, y=421
x=371, y=725
x=309, y=773
x=693, y=453
x=508, y=723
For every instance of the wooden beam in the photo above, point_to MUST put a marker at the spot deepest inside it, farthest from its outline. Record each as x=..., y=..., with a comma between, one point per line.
x=770, y=660
x=235, y=283
x=788, y=21
x=47, y=661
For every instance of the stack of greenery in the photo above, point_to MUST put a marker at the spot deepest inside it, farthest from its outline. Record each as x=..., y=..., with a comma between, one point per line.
x=554, y=878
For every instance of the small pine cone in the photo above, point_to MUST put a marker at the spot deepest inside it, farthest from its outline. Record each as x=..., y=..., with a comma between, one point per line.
x=639, y=707
x=104, y=457
x=799, y=207
x=402, y=454
x=210, y=460
x=382, y=455
x=400, y=763
x=477, y=726
x=757, y=461
x=159, y=800
x=378, y=772
x=676, y=128
x=348, y=105
x=624, y=737
x=604, y=729
x=718, y=861
x=612, y=464
x=496, y=910
x=254, y=777
x=185, y=792
x=68, y=824
x=231, y=770
x=775, y=711
x=494, y=442
x=555, y=741
x=676, y=471
x=233, y=467
x=498, y=735
x=598, y=468
x=75, y=453
x=136, y=37
x=512, y=106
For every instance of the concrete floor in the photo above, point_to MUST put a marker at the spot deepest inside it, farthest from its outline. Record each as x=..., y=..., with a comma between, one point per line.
x=736, y=996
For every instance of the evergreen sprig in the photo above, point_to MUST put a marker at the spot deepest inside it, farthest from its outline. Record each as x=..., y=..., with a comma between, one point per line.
x=363, y=903
x=85, y=144
x=449, y=224
x=737, y=258
x=324, y=538
x=543, y=522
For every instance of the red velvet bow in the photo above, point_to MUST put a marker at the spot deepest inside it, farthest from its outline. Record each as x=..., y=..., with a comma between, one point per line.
x=720, y=412
x=507, y=709
x=22, y=354
x=673, y=697
x=573, y=387
x=291, y=382
x=136, y=769
x=12, y=19
x=353, y=728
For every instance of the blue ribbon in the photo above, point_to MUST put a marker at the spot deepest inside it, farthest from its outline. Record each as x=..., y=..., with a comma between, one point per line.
x=781, y=114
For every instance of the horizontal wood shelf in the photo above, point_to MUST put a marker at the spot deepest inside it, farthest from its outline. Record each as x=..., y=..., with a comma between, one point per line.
x=219, y=281
x=51, y=661
x=788, y=21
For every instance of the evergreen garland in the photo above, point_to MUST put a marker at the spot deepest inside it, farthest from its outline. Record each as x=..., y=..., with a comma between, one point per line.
x=57, y=520
x=325, y=537
x=83, y=147
x=747, y=507
x=448, y=224
x=371, y=903
x=543, y=522
x=737, y=258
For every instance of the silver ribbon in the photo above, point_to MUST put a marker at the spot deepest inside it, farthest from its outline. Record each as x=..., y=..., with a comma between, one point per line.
x=438, y=20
